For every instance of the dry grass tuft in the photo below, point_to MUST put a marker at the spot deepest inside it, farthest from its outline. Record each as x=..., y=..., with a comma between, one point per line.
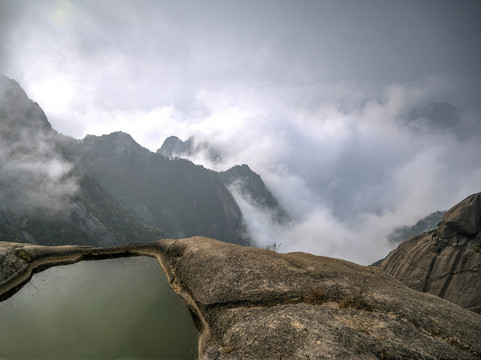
x=355, y=302
x=316, y=297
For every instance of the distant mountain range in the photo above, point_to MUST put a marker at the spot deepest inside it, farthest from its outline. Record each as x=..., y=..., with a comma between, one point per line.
x=107, y=190
x=425, y=224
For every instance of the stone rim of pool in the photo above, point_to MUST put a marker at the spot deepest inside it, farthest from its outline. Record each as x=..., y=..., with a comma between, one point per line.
x=22, y=261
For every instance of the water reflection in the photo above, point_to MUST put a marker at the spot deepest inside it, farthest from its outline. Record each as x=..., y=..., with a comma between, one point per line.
x=116, y=308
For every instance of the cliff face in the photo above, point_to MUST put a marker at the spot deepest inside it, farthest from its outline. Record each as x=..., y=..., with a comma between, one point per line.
x=258, y=304
x=19, y=112
x=251, y=186
x=447, y=261
x=239, y=179
x=174, y=195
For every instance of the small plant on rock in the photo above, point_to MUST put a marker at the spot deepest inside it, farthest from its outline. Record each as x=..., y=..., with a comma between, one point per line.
x=316, y=297
x=273, y=247
x=22, y=254
x=355, y=302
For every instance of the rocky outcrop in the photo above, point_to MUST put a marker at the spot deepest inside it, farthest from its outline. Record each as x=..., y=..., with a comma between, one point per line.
x=257, y=304
x=463, y=219
x=447, y=261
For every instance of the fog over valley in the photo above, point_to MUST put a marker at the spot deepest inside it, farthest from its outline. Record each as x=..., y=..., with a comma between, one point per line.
x=359, y=116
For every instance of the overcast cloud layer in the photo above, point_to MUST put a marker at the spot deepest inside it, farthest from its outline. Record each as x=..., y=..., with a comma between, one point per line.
x=330, y=101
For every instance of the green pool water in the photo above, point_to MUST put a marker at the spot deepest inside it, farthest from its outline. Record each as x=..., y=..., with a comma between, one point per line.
x=118, y=308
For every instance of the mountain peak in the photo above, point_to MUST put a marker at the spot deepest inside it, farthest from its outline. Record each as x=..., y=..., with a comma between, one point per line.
x=173, y=146
x=251, y=185
x=465, y=217
x=120, y=136
x=17, y=111
x=114, y=143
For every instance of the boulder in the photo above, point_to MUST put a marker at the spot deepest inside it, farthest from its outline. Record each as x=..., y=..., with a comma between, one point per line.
x=257, y=304
x=465, y=217
x=447, y=261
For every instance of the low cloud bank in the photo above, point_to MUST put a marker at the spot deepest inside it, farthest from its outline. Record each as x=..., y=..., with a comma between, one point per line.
x=348, y=164
x=348, y=169
x=301, y=95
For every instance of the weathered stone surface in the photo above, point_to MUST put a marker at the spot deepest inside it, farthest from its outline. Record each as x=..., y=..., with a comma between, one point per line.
x=445, y=262
x=257, y=304
x=465, y=217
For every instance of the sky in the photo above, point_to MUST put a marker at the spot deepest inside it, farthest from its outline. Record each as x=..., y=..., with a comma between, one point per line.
x=359, y=115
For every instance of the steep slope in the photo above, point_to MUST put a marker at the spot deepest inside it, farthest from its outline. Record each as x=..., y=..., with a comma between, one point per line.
x=174, y=195
x=104, y=190
x=44, y=198
x=250, y=185
x=32, y=172
x=92, y=218
x=17, y=111
x=447, y=261
x=94, y=208
x=240, y=179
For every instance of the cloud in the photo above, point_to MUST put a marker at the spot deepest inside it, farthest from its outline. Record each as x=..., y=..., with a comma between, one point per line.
x=348, y=176
x=317, y=97
x=345, y=162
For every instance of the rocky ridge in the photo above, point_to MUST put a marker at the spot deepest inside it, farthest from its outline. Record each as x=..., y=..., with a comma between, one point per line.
x=105, y=190
x=174, y=147
x=446, y=261
x=257, y=304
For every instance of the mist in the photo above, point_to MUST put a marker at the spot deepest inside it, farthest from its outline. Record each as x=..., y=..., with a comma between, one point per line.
x=33, y=174
x=347, y=176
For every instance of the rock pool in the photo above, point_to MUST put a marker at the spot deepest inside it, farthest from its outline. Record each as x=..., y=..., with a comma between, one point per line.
x=102, y=309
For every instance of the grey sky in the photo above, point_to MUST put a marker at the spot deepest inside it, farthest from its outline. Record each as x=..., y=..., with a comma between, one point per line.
x=317, y=96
